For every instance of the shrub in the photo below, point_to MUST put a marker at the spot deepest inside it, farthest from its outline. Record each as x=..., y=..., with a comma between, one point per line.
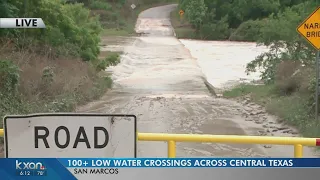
x=247, y=31
x=99, y=5
x=312, y=96
x=288, y=77
x=9, y=76
x=87, y=55
x=102, y=65
x=111, y=60
x=216, y=31
x=288, y=86
x=46, y=81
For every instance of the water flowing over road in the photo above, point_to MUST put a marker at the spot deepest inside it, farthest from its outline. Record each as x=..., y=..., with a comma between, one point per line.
x=224, y=62
x=162, y=82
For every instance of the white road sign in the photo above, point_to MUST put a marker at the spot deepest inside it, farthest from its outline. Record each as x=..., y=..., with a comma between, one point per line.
x=70, y=135
x=133, y=6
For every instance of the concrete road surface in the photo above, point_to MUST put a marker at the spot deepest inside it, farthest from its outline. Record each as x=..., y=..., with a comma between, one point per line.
x=161, y=83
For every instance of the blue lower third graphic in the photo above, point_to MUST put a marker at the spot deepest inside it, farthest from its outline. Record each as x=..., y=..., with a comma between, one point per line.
x=31, y=168
x=67, y=168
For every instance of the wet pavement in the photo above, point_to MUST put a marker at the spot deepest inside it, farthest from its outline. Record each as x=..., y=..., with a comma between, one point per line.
x=160, y=82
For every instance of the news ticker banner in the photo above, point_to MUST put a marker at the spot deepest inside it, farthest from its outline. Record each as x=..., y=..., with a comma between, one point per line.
x=22, y=23
x=71, y=168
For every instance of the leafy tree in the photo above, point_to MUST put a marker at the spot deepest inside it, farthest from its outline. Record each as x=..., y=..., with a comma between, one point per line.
x=67, y=25
x=7, y=10
x=279, y=33
x=248, y=31
x=196, y=11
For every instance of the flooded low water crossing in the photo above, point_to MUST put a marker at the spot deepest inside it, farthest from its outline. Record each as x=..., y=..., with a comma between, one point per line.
x=161, y=80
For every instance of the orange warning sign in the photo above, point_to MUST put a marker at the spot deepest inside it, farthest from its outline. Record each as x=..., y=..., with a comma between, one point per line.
x=181, y=12
x=310, y=28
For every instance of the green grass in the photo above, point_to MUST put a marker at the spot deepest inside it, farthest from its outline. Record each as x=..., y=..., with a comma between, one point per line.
x=293, y=110
x=260, y=93
x=116, y=32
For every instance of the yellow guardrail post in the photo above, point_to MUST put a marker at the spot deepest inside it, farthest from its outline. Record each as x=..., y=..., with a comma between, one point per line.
x=171, y=149
x=298, y=151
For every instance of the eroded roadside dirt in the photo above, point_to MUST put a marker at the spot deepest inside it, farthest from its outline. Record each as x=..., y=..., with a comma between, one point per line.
x=271, y=126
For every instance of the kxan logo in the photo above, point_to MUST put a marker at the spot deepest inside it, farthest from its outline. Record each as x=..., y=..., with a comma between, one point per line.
x=29, y=165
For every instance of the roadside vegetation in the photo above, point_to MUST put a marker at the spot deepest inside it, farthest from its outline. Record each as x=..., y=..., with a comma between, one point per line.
x=242, y=20
x=53, y=69
x=288, y=68
x=60, y=67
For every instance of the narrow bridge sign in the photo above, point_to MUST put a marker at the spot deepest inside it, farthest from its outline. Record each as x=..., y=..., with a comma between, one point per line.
x=70, y=136
x=310, y=28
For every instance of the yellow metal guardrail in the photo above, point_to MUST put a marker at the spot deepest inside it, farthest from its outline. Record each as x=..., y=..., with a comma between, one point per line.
x=297, y=142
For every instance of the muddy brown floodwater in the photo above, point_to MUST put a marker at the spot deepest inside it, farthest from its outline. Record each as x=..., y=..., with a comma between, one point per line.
x=160, y=80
